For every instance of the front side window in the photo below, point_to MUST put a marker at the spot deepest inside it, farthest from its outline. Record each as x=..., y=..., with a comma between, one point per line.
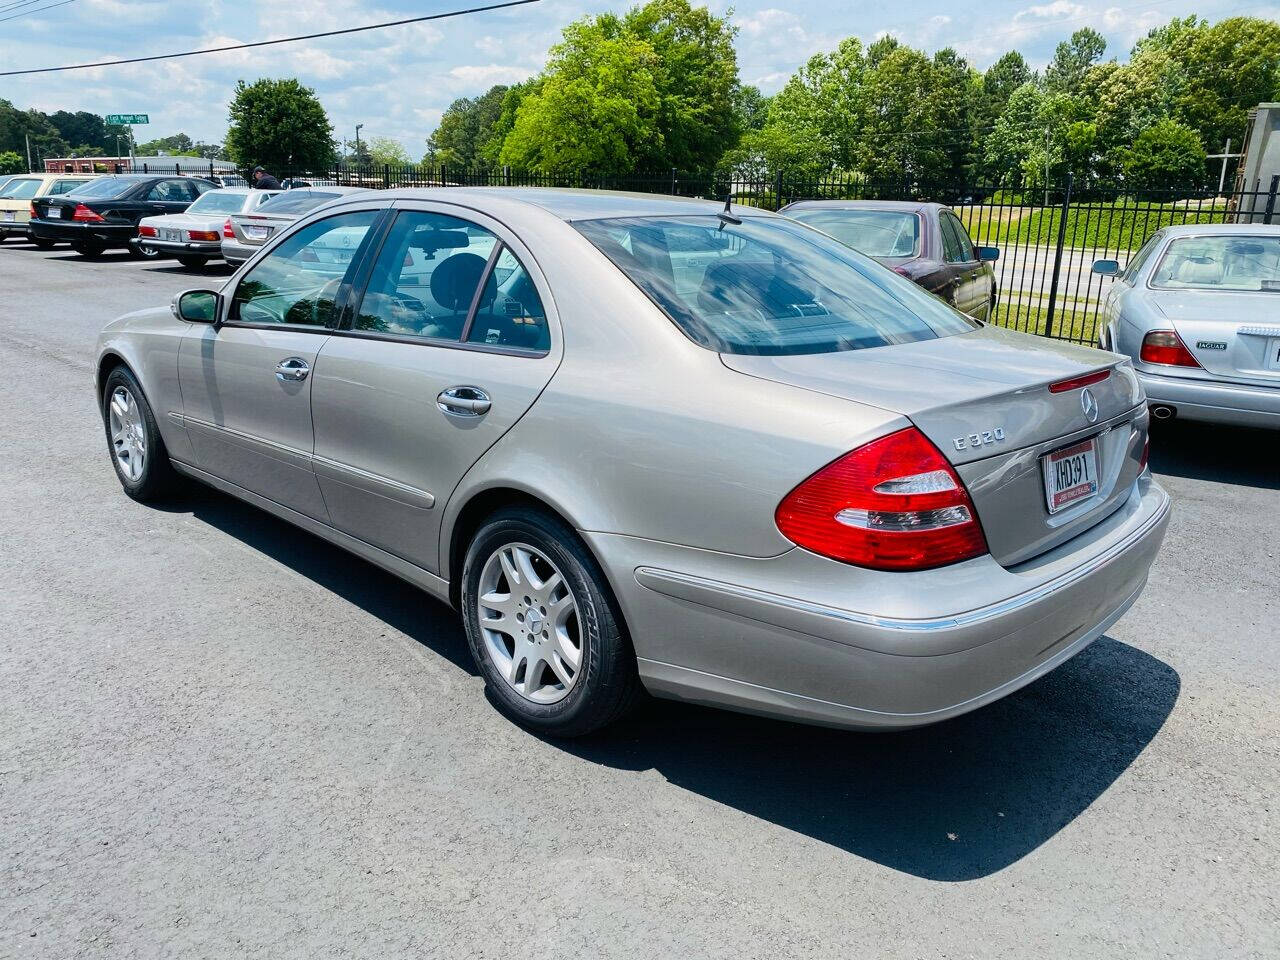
x=20, y=190
x=963, y=244
x=297, y=282
x=769, y=285
x=1148, y=248
x=1220, y=263
x=425, y=279
x=877, y=233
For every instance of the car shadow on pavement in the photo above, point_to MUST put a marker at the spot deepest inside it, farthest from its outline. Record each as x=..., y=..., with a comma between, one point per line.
x=1208, y=451
x=952, y=802
x=393, y=601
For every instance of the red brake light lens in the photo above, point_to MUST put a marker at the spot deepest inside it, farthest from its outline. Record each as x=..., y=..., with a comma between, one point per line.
x=34, y=215
x=1075, y=383
x=146, y=231
x=85, y=215
x=892, y=504
x=1164, y=346
x=228, y=230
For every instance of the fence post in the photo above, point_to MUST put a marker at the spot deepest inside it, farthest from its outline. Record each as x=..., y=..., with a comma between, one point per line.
x=1271, y=199
x=673, y=181
x=386, y=176
x=1057, y=258
x=777, y=189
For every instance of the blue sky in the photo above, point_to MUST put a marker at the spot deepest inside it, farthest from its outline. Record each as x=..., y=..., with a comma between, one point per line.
x=397, y=82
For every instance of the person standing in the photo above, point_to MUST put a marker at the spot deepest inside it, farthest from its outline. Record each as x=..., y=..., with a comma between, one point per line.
x=263, y=180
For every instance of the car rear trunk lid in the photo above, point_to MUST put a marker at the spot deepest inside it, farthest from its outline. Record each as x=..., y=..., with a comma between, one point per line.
x=984, y=399
x=1234, y=336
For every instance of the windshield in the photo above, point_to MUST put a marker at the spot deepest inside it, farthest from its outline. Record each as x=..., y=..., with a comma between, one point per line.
x=19, y=189
x=877, y=233
x=1220, y=263
x=769, y=285
x=297, y=202
x=104, y=188
x=218, y=201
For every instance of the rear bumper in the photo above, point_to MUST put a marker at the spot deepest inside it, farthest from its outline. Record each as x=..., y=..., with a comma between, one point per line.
x=1214, y=401
x=13, y=228
x=195, y=248
x=806, y=638
x=233, y=251
x=105, y=234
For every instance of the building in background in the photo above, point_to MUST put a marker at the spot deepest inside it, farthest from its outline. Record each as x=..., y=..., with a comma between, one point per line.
x=161, y=164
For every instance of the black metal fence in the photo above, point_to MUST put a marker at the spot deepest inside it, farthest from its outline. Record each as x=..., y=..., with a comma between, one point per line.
x=1048, y=237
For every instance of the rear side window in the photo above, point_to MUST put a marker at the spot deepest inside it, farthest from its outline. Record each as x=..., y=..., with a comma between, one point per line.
x=510, y=312
x=65, y=186
x=769, y=285
x=956, y=247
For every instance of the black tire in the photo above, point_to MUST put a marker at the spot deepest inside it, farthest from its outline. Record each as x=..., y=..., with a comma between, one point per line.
x=91, y=250
x=193, y=263
x=42, y=244
x=157, y=478
x=607, y=684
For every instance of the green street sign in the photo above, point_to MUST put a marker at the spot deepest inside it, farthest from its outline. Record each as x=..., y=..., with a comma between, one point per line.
x=127, y=119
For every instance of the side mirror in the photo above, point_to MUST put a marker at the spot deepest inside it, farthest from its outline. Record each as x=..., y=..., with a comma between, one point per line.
x=988, y=254
x=1106, y=268
x=196, y=306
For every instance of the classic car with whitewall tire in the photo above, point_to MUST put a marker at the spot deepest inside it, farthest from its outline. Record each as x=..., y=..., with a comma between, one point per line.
x=1197, y=311
x=649, y=443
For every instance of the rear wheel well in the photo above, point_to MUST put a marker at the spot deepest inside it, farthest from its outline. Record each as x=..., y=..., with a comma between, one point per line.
x=473, y=515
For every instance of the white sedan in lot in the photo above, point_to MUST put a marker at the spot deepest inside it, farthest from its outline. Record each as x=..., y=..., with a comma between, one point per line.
x=195, y=235
x=1197, y=310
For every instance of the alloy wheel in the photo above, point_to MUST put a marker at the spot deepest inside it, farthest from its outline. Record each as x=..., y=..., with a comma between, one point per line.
x=529, y=620
x=128, y=434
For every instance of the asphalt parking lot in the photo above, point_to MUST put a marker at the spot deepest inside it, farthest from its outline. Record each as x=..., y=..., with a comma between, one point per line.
x=221, y=737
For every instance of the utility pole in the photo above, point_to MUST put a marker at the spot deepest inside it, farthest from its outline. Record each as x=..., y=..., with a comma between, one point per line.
x=1224, y=156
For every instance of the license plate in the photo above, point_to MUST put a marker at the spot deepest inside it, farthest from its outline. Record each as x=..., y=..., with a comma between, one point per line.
x=1273, y=353
x=55, y=213
x=9, y=216
x=171, y=234
x=256, y=233
x=1070, y=475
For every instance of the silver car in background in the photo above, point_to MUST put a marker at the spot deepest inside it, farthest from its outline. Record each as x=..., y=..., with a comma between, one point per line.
x=644, y=442
x=1197, y=310
x=244, y=233
x=195, y=235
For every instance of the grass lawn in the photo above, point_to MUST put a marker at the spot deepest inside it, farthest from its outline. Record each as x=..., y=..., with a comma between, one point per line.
x=1122, y=225
x=1079, y=325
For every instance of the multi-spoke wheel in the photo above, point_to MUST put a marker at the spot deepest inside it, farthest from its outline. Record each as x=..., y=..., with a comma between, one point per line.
x=543, y=626
x=137, y=450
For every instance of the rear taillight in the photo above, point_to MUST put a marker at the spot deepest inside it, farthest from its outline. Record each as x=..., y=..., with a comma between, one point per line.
x=227, y=230
x=147, y=231
x=34, y=215
x=893, y=504
x=85, y=215
x=1165, y=346
x=202, y=234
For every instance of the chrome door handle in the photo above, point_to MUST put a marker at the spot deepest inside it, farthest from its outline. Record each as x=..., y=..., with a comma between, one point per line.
x=463, y=402
x=292, y=370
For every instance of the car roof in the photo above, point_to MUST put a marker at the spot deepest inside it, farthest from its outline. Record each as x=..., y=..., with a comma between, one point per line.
x=570, y=204
x=1223, y=229
x=897, y=206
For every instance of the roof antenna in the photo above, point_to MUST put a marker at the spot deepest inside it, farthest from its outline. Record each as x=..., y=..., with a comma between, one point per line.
x=727, y=217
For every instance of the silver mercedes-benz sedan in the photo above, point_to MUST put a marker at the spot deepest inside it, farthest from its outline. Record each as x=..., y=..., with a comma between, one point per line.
x=649, y=443
x=1197, y=310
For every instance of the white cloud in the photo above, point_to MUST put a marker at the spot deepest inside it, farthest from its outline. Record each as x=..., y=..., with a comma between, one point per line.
x=1046, y=11
x=489, y=74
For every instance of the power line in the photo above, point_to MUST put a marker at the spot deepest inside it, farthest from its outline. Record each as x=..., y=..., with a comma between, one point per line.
x=25, y=13
x=268, y=43
x=5, y=7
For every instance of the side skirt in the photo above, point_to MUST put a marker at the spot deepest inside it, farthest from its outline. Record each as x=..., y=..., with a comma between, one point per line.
x=438, y=587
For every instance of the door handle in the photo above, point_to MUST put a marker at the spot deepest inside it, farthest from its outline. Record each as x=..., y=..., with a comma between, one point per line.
x=292, y=370
x=463, y=402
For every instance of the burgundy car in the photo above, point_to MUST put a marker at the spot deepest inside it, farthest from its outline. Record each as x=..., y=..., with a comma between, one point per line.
x=925, y=242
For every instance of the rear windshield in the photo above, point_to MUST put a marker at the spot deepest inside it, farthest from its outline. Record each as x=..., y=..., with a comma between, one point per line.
x=218, y=201
x=769, y=285
x=19, y=189
x=297, y=201
x=877, y=233
x=1220, y=263
x=105, y=188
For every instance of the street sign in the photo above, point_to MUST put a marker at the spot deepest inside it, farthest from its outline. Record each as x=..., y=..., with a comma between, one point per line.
x=127, y=119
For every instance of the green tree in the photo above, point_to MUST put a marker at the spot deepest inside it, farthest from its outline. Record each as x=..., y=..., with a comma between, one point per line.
x=466, y=130
x=1166, y=156
x=385, y=151
x=279, y=124
x=11, y=162
x=1002, y=78
x=179, y=144
x=1072, y=61
x=751, y=108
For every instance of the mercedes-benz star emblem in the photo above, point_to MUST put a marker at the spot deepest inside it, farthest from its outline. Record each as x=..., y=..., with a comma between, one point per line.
x=1089, y=404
